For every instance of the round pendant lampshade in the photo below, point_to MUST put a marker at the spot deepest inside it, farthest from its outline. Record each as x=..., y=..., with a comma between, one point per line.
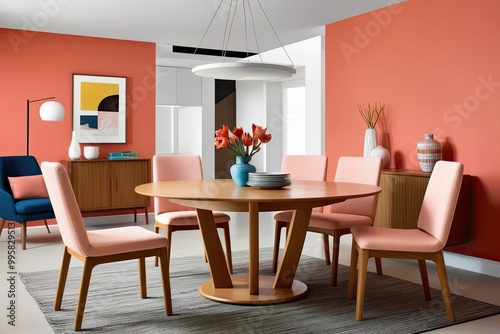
x=244, y=71
x=52, y=111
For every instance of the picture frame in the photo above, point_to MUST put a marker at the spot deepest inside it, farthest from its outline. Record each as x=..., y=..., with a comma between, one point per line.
x=99, y=108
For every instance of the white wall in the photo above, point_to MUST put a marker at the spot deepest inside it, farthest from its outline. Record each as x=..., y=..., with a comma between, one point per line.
x=273, y=151
x=251, y=108
x=208, y=127
x=164, y=130
x=294, y=137
x=179, y=130
x=189, y=135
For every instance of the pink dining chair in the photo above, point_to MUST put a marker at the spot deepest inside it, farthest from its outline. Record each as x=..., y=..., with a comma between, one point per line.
x=172, y=217
x=99, y=246
x=300, y=167
x=426, y=242
x=353, y=212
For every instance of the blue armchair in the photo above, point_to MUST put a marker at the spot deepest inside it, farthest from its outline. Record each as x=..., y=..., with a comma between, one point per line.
x=25, y=209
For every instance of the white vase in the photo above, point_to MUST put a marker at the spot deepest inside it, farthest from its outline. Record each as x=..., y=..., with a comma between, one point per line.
x=74, y=151
x=382, y=153
x=370, y=141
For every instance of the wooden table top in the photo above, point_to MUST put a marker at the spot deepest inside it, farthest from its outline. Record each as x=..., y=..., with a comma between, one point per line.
x=216, y=194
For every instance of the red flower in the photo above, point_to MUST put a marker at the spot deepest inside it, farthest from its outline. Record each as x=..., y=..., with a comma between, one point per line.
x=220, y=142
x=238, y=132
x=246, y=139
x=259, y=133
x=222, y=132
x=240, y=142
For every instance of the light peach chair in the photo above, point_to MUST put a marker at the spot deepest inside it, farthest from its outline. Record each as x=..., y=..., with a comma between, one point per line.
x=426, y=242
x=300, y=167
x=344, y=215
x=100, y=246
x=172, y=217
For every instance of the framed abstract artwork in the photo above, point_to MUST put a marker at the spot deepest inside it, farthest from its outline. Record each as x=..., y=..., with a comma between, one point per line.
x=99, y=109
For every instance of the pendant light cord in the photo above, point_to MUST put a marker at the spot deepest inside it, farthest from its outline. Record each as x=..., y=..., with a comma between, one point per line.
x=275, y=34
x=229, y=26
x=209, y=25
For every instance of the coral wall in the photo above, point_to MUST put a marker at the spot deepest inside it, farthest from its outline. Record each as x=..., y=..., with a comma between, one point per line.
x=36, y=65
x=435, y=64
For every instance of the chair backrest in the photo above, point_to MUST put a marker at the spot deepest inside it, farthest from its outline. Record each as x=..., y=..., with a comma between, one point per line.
x=306, y=167
x=440, y=200
x=358, y=170
x=171, y=168
x=19, y=165
x=68, y=215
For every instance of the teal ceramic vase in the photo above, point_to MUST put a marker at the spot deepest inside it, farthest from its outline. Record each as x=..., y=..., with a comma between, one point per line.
x=239, y=171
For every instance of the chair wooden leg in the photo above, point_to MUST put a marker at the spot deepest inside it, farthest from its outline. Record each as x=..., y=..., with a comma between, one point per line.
x=2, y=224
x=277, y=238
x=326, y=248
x=23, y=235
x=62, y=279
x=164, y=267
x=445, y=290
x=84, y=289
x=378, y=265
x=46, y=225
x=169, y=232
x=335, y=258
x=227, y=238
x=157, y=230
x=142, y=277
x=353, y=270
x=360, y=297
x=425, y=279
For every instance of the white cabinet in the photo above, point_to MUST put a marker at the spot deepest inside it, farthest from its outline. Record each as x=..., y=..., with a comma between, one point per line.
x=177, y=87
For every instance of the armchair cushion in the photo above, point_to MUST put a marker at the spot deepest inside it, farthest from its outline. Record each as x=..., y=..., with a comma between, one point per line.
x=27, y=187
x=34, y=206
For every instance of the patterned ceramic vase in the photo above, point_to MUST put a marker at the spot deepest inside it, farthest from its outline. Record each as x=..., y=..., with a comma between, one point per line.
x=428, y=152
x=239, y=171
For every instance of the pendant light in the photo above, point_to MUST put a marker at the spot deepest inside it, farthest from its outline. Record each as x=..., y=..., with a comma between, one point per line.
x=245, y=69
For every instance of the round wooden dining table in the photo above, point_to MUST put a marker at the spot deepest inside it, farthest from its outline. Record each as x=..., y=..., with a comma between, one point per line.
x=224, y=195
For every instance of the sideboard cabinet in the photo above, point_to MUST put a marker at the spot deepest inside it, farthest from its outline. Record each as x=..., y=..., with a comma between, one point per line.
x=401, y=198
x=109, y=184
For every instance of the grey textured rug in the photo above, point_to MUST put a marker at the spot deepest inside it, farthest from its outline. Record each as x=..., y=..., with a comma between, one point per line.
x=114, y=305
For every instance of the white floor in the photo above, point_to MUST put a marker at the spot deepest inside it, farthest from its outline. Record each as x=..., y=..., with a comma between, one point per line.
x=44, y=252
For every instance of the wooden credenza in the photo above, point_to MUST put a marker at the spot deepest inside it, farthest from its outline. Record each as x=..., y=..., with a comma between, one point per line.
x=109, y=184
x=401, y=198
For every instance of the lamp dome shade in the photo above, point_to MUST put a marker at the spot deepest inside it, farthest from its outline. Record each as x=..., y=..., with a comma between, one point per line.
x=52, y=111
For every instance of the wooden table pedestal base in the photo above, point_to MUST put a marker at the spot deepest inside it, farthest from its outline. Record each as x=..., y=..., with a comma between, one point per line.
x=240, y=295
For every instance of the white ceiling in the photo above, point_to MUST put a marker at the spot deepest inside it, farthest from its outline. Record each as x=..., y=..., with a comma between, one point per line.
x=179, y=22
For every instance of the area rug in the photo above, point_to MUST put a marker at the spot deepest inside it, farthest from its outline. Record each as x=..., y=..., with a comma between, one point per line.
x=114, y=305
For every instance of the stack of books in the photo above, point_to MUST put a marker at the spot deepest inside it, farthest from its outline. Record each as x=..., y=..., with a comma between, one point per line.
x=123, y=155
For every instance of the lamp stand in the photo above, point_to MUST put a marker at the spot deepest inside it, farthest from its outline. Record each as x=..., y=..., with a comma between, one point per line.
x=28, y=120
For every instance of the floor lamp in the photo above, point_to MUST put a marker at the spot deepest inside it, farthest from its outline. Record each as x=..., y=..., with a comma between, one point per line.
x=51, y=111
